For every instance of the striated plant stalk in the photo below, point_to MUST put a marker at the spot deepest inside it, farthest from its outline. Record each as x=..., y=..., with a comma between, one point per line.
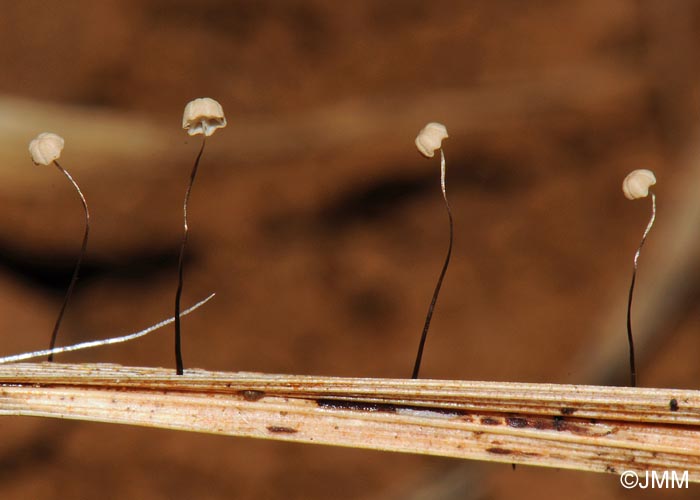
x=589, y=428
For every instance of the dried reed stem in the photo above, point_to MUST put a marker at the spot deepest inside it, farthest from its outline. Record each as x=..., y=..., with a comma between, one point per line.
x=592, y=428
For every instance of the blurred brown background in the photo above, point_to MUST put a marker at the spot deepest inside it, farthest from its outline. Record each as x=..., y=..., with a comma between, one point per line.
x=322, y=230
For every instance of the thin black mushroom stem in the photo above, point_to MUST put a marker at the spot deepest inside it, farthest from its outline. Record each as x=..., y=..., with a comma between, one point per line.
x=180, y=264
x=636, y=185
x=45, y=149
x=76, y=271
x=428, y=141
x=201, y=116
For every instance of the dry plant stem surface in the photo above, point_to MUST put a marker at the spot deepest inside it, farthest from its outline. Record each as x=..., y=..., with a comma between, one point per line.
x=179, y=366
x=428, y=318
x=591, y=428
x=74, y=278
x=630, y=339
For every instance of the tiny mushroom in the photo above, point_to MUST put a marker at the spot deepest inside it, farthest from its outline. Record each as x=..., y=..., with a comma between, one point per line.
x=428, y=141
x=635, y=186
x=203, y=116
x=430, y=138
x=637, y=183
x=45, y=148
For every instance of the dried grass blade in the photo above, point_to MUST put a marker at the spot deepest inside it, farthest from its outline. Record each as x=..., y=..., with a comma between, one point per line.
x=602, y=429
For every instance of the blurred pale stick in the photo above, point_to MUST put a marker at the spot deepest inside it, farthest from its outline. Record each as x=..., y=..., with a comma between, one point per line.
x=592, y=428
x=343, y=124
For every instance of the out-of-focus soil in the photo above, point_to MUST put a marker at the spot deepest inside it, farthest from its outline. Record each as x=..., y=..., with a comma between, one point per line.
x=321, y=228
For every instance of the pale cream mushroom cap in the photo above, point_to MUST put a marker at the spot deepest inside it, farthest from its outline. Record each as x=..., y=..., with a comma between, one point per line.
x=203, y=116
x=45, y=148
x=636, y=184
x=430, y=138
